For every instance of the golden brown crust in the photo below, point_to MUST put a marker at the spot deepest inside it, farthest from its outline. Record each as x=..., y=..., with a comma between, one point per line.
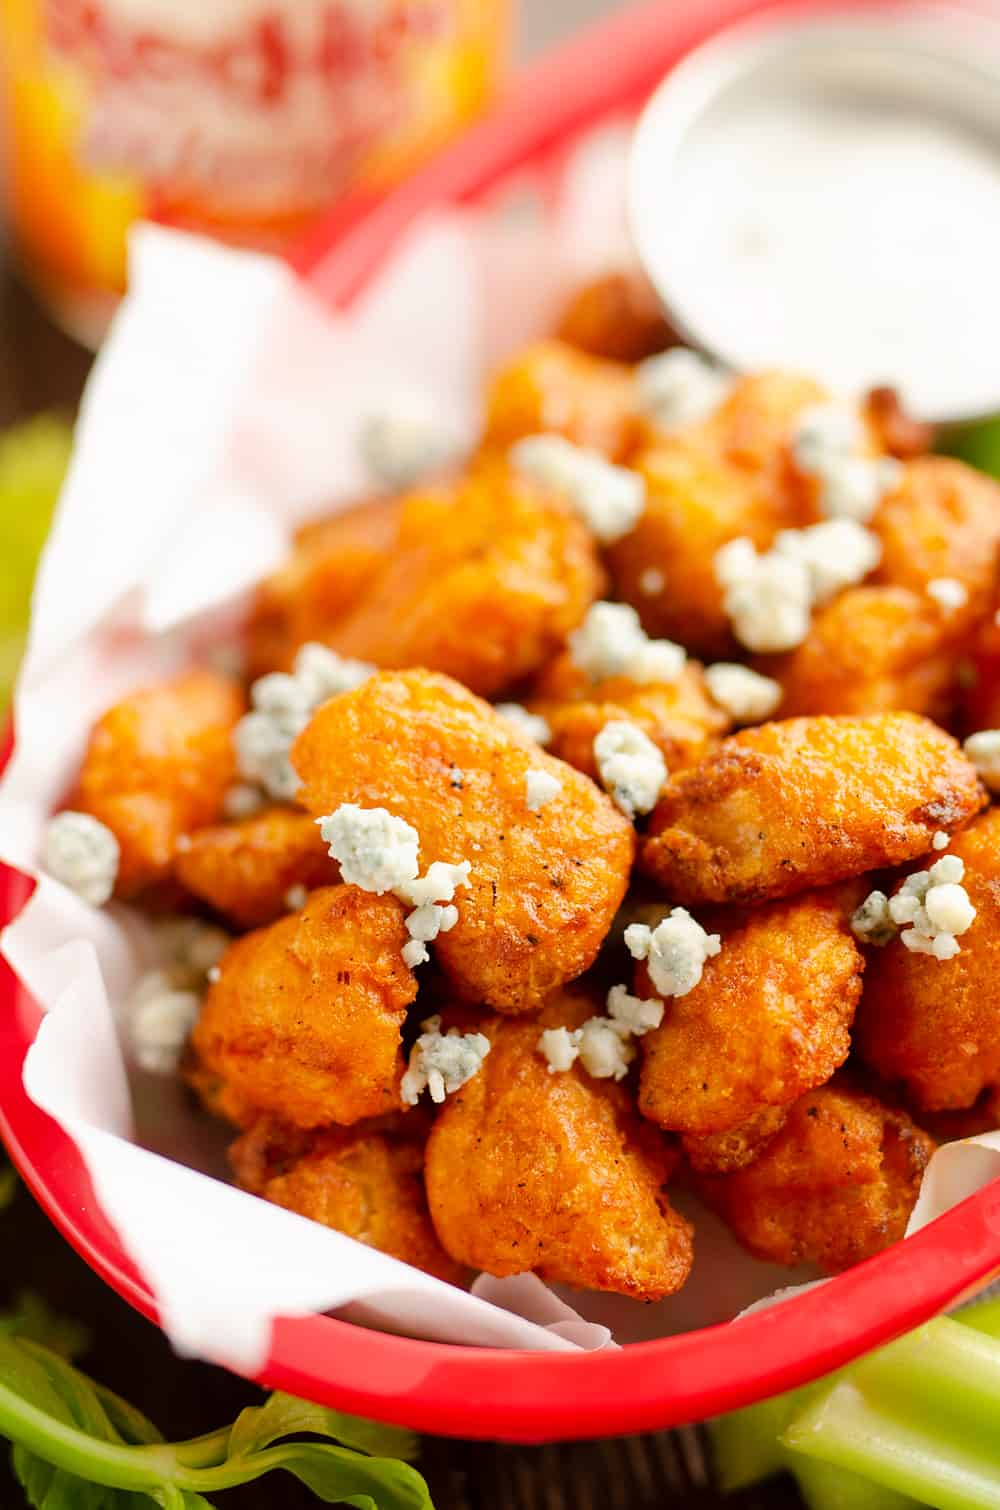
x=158, y=764
x=835, y=1185
x=555, y=389
x=304, y=1021
x=679, y=717
x=544, y=886
x=872, y=650
x=934, y=1025
x=554, y=1174
x=943, y=520
x=245, y=870
x=769, y=1020
x=364, y=1182
x=618, y=317
x=737, y=1147
x=805, y=802
x=896, y=432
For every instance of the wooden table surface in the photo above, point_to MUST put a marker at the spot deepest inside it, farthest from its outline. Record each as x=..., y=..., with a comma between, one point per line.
x=41, y=369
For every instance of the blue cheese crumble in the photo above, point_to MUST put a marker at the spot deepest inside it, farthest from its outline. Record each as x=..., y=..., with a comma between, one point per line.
x=675, y=951
x=404, y=442
x=948, y=593
x=531, y=725
x=540, y=788
x=929, y=912
x=442, y=1063
x=631, y=766
x=164, y=1003
x=83, y=854
x=374, y=849
x=983, y=749
x=745, y=695
x=680, y=387
x=612, y=642
x=828, y=444
x=610, y=500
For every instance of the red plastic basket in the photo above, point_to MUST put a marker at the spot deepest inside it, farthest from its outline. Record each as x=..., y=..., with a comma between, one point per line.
x=486, y=1393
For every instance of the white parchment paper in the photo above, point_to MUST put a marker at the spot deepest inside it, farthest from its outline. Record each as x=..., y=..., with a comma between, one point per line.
x=222, y=411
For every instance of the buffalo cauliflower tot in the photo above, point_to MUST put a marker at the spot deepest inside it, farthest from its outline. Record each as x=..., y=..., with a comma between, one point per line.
x=366, y=1182
x=553, y=389
x=941, y=523
x=834, y=1186
x=543, y=885
x=806, y=802
x=554, y=1174
x=769, y=1019
x=157, y=765
x=304, y=1019
x=247, y=870
x=934, y=1025
x=618, y=316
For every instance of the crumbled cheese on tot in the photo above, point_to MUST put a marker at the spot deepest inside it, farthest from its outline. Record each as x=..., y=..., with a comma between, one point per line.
x=837, y=553
x=632, y=1013
x=609, y=499
x=825, y=433
x=442, y=1062
x=612, y=642
x=828, y=444
x=767, y=598
x=83, y=854
x=561, y=1048
x=430, y=897
x=405, y=441
x=675, y=951
x=540, y=788
x=631, y=766
x=242, y=801
x=321, y=673
x=941, y=840
x=933, y=909
x=374, y=849
x=948, y=593
x=603, y=1045
x=439, y=884
x=606, y=1050
x=983, y=749
x=531, y=725
x=871, y=923
x=160, y=1014
x=745, y=695
x=680, y=387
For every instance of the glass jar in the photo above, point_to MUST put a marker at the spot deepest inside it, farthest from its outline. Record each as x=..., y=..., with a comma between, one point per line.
x=242, y=119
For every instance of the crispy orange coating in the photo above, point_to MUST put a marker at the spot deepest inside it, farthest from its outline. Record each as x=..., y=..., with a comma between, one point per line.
x=804, y=802
x=544, y=886
x=553, y=388
x=942, y=521
x=485, y=579
x=753, y=426
x=158, y=764
x=769, y=1020
x=737, y=1147
x=332, y=564
x=980, y=696
x=969, y=1122
x=934, y=1025
x=554, y=1174
x=618, y=316
x=679, y=717
x=364, y=1182
x=872, y=650
x=245, y=870
x=896, y=432
x=304, y=1020
x=836, y=1184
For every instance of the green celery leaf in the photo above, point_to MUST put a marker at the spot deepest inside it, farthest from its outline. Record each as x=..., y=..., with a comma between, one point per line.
x=48, y=1488
x=283, y=1416
x=34, y=1319
x=977, y=444
x=130, y=1425
x=338, y=1476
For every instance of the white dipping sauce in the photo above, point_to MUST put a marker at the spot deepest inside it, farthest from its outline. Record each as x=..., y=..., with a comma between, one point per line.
x=820, y=224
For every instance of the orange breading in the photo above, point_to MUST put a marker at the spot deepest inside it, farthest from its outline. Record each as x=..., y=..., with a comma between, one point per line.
x=934, y=1025
x=365, y=1182
x=158, y=764
x=836, y=1184
x=679, y=717
x=552, y=388
x=969, y=1122
x=554, y=1174
x=544, y=886
x=769, y=1020
x=618, y=316
x=304, y=1020
x=332, y=564
x=804, y=802
x=872, y=650
x=943, y=520
x=245, y=870
x=485, y=579
x=980, y=699
x=752, y=428
x=724, y=1152
x=895, y=432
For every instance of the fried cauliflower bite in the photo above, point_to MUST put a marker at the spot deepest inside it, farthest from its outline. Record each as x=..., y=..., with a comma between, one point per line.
x=554, y=1174
x=895, y=432
x=934, y=1025
x=835, y=1185
x=942, y=521
x=332, y=564
x=873, y=650
x=158, y=764
x=769, y=1020
x=245, y=870
x=366, y=1182
x=486, y=577
x=805, y=802
x=552, y=388
x=304, y=1020
x=679, y=716
x=618, y=316
x=725, y=1152
x=753, y=427
x=544, y=885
